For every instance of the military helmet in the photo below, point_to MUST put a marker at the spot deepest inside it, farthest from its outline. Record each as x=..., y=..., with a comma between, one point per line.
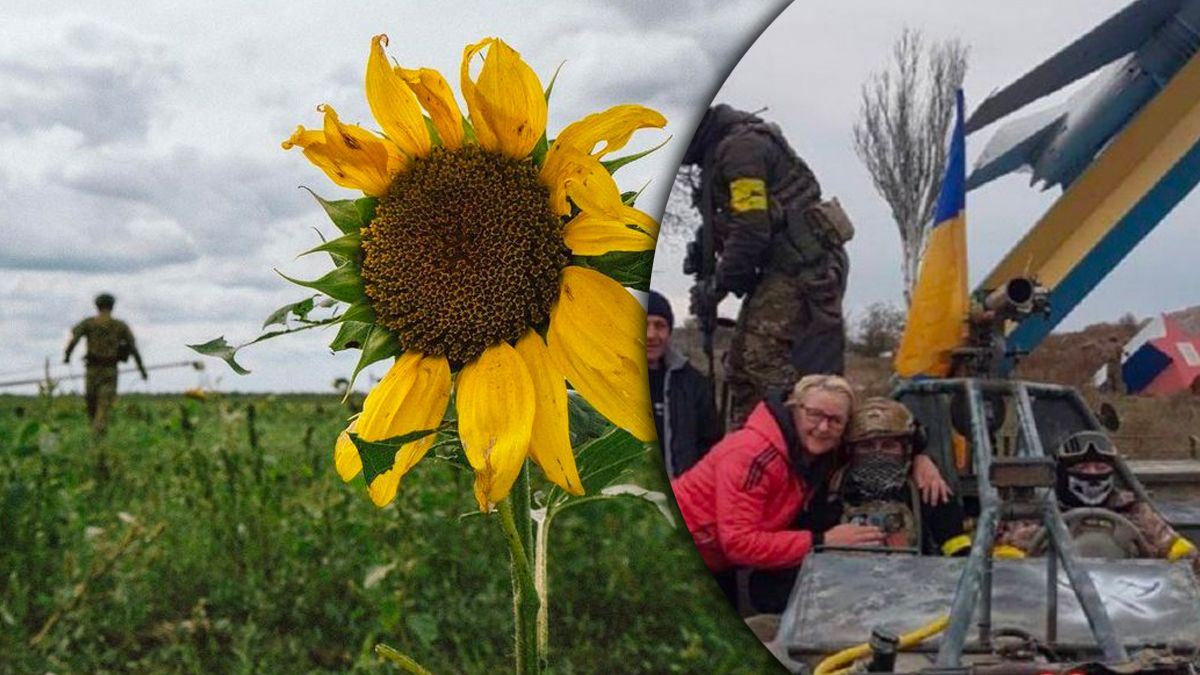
x=880, y=417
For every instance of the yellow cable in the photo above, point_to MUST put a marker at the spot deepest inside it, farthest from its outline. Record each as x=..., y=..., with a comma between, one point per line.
x=842, y=662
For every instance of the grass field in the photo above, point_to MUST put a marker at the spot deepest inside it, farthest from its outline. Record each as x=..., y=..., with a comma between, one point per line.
x=192, y=540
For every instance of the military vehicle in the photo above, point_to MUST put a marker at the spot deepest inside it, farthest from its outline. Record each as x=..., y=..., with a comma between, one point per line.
x=1091, y=604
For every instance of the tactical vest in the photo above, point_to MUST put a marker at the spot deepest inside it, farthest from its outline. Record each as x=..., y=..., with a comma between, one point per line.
x=805, y=229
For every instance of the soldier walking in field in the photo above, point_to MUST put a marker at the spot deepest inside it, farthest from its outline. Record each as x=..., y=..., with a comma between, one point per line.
x=109, y=342
x=777, y=245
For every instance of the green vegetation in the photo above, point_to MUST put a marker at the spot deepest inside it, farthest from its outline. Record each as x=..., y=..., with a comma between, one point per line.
x=191, y=540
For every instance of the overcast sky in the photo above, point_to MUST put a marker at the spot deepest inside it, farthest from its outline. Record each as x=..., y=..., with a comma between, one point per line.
x=139, y=150
x=808, y=68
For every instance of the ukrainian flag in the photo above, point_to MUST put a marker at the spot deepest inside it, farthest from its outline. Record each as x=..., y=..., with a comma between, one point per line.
x=937, y=317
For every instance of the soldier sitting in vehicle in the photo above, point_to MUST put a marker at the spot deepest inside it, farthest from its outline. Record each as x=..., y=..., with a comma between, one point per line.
x=1106, y=520
x=874, y=487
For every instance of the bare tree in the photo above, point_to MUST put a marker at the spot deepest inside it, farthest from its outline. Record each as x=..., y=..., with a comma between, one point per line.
x=901, y=132
x=681, y=219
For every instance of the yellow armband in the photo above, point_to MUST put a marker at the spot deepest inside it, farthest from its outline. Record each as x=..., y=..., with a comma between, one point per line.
x=747, y=194
x=1007, y=552
x=954, y=545
x=1179, y=548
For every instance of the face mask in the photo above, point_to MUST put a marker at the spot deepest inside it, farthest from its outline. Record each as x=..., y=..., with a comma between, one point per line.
x=1090, y=490
x=876, y=475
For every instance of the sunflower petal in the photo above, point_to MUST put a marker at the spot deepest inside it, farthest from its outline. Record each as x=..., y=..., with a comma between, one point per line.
x=383, y=489
x=591, y=235
x=350, y=155
x=602, y=225
x=614, y=127
x=436, y=97
x=412, y=396
x=550, y=445
x=345, y=456
x=597, y=338
x=506, y=104
x=495, y=420
x=393, y=104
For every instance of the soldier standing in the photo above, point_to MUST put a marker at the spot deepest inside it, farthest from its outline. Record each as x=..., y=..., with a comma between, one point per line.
x=778, y=245
x=109, y=342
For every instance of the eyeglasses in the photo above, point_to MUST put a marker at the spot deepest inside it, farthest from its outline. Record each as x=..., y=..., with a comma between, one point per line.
x=818, y=416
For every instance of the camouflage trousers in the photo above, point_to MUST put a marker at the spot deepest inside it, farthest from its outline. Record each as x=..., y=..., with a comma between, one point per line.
x=100, y=391
x=780, y=337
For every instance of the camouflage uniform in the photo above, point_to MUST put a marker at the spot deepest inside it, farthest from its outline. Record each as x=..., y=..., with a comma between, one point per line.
x=1163, y=540
x=753, y=185
x=109, y=341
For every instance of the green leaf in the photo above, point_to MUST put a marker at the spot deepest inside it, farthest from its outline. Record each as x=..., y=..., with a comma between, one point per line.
x=299, y=309
x=379, y=345
x=343, y=283
x=360, y=311
x=584, y=422
x=553, y=79
x=366, y=209
x=225, y=351
x=222, y=350
x=344, y=213
x=628, y=198
x=658, y=499
x=603, y=460
x=351, y=335
x=379, y=456
x=345, y=247
x=613, y=164
x=539, y=151
x=628, y=268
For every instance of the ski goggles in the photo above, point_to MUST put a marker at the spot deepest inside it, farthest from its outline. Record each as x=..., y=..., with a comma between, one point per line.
x=1085, y=443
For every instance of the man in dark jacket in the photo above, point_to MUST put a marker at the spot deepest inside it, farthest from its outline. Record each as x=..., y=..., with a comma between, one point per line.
x=684, y=412
x=778, y=246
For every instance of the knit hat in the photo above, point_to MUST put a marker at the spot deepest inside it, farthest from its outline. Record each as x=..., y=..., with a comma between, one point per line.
x=658, y=306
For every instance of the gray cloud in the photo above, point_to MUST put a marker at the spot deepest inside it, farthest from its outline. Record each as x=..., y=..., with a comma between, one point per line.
x=96, y=79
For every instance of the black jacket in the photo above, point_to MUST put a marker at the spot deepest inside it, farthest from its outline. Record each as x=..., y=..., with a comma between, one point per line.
x=690, y=424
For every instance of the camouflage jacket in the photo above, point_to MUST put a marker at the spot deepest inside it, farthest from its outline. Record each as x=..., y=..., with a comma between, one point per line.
x=108, y=341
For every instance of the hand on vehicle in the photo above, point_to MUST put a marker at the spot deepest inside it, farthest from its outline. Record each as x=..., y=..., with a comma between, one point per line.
x=930, y=484
x=849, y=534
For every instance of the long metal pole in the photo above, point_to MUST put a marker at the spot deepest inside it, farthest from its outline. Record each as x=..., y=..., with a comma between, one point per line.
x=967, y=591
x=79, y=376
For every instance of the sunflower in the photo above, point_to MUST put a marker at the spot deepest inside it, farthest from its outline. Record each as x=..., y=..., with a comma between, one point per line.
x=467, y=261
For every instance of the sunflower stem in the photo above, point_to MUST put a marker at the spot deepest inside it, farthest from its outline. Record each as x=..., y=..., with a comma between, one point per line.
x=541, y=583
x=525, y=599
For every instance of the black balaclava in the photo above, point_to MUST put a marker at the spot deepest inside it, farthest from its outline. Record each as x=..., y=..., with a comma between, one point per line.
x=1076, y=489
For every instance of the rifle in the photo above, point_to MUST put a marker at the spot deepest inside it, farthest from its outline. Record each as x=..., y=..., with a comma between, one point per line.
x=701, y=263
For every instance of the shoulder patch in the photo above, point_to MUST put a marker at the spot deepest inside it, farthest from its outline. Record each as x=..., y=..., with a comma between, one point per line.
x=747, y=194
